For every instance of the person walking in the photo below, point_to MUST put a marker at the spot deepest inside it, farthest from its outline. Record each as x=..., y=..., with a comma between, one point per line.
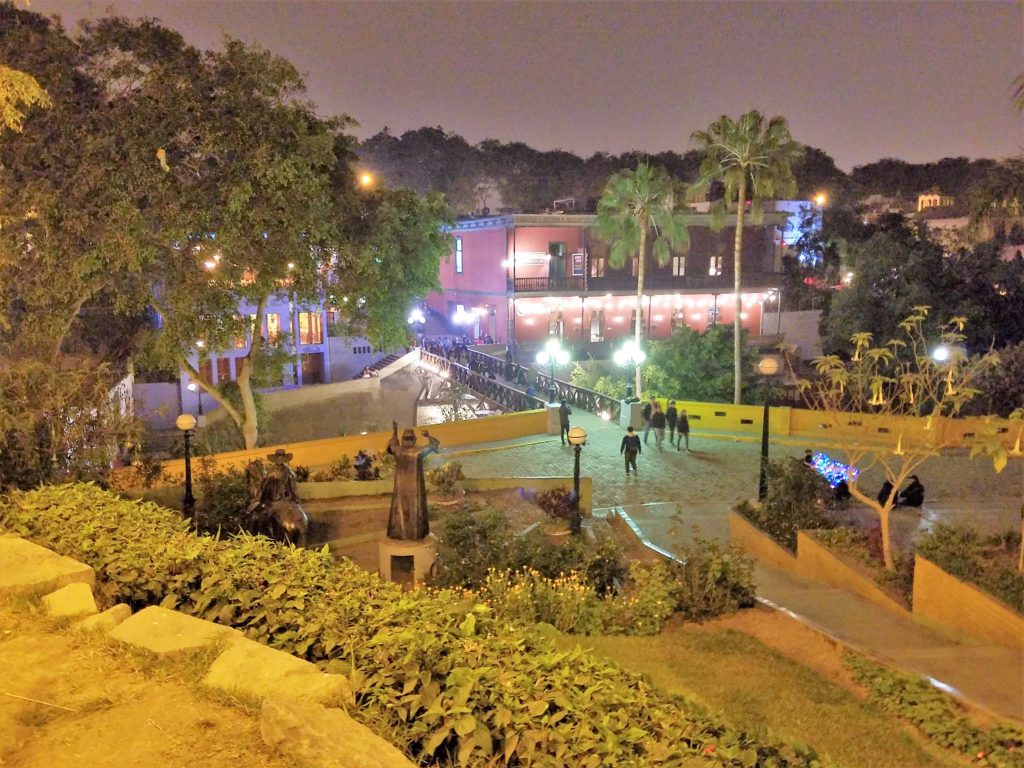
x=683, y=425
x=630, y=448
x=671, y=417
x=646, y=413
x=658, y=424
x=564, y=412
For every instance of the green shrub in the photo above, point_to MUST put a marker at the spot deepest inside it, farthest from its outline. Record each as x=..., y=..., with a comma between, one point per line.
x=987, y=561
x=712, y=580
x=797, y=498
x=222, y=498
x=445, y=479
x=569, y=603
x=434, y=672
x=938, y=715
x=342, y=469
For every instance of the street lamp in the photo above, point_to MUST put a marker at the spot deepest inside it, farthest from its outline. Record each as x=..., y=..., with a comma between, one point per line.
x=577, y=439
x=767, y=367
x=630, y=356
x=366, y=179
x=194, y=388
x=186, y=422
x=552, y=355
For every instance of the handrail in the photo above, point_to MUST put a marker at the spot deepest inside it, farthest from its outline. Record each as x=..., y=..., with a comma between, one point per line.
x=482, y=384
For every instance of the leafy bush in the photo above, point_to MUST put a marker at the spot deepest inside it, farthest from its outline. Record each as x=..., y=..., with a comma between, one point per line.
x=222, y=498
x=569, y=603
x=342, y=469
x=558, y=503
x=938, y=715
x=988, y=561
x=712, y=580
x=797, y=498
x=436, y=673
x=445, y=479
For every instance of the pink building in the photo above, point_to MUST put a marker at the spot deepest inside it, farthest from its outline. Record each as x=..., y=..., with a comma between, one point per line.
x=524, y=277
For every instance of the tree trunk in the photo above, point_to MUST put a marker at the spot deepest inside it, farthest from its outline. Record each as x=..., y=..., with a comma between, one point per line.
x=737, y=258
x=250, y=420
x=883, y=519
x=638, y=330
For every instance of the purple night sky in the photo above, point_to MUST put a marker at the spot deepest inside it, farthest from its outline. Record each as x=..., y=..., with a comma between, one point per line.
x=861, y=80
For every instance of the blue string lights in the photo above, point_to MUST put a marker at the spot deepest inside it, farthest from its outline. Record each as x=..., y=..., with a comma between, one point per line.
x=832, y=470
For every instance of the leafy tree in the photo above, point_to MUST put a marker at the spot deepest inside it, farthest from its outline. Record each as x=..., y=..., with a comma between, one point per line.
x=18, y=91
x=698, y=366
x=896, y=379
x=747, y=156
x=997, y=200
x=398, y=246
x=634, y=203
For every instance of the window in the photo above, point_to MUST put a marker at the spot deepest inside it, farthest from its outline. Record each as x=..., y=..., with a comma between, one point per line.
x=312, y=368
x=635, y=266
x=678, y=266
x=597, y=266
x=223, y=369
x=311, y=329
x=206, y=371
x=713, y=315
x=458, y=254
x=555, y=324
x=632, y=322
x=715, y=266
x=273, y=326
x=678, y=320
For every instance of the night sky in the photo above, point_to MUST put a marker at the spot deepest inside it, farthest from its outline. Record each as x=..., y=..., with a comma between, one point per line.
x=861, y=80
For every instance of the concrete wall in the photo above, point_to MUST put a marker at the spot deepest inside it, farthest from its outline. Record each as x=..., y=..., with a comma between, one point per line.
x=799, y=329
x=346, y=362
x=157, y=403
x=942, y=599
x=317, y=454
x=760, y=545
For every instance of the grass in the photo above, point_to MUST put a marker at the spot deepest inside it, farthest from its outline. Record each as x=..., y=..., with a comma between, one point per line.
x=762, y=690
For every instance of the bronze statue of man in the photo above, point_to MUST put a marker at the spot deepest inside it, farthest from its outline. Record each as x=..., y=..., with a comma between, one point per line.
x=408, y=518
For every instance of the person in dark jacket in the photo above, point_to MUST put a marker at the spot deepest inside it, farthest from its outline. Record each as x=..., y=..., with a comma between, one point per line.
x=683, y=425
x=913, y=494
x=564, y=412
x=646, y=413
x=671, y=417
x=630, y=448
x=658, y=424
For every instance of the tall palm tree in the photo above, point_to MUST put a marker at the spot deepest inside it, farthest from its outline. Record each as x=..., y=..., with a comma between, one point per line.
x=749, y=156
x=635, y=203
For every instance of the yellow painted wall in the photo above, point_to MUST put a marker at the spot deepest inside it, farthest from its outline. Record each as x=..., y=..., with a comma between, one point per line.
x=320, y=453
x=759, y=545
x=942, y=599
x=818, y=563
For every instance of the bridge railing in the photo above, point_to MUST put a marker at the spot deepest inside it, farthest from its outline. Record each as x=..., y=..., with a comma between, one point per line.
x=481, y=382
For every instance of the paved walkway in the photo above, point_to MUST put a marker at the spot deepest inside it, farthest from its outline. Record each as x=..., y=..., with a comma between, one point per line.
x=678, y=491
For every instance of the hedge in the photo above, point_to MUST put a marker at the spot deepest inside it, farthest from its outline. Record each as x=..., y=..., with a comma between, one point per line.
x=440, y=677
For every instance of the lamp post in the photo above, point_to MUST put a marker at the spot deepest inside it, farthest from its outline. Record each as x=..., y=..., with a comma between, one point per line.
x=186, y=422
x=194, y=388
x=577, y=439
x=629, y=357
x=552, y=355
x=767, y=367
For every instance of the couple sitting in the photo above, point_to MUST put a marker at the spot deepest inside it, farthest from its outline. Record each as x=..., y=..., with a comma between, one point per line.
x=911, y=496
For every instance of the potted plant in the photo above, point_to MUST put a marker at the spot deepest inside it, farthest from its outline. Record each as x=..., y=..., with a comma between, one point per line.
x=560, y=506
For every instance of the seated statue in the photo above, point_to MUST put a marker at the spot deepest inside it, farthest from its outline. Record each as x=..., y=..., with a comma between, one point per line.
x=274, y=508
x=913, y=494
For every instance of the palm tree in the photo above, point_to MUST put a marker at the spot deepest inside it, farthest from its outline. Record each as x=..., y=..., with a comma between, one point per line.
x=634, y=203
x=1018, y=94
x=751, y=157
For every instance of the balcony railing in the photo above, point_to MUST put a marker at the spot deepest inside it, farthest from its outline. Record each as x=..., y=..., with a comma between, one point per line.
x=547, y=284
x=655, y=281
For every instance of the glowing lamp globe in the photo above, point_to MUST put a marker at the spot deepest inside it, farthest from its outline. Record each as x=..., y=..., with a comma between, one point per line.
x=185, y=422
x=768, y=366
x=577, y=436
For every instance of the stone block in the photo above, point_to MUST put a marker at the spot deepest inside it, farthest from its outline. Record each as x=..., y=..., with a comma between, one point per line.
x=71, y=600
x=164, y=632
x=106, y=621
x=253, y=669
x=314, y=736
x=28, y=569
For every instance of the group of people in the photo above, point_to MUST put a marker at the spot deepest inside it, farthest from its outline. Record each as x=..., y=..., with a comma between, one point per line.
x=911, y=496
x=677, y=422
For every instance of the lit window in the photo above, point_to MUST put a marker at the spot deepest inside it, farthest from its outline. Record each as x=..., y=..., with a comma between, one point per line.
x=597, y=265
x=678, y=266
x=310, y=328
x=458, y=254
x=273, y=326
x=715, y=266
x=223, y=369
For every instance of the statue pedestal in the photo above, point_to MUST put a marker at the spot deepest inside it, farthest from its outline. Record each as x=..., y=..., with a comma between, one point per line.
x=406, y=562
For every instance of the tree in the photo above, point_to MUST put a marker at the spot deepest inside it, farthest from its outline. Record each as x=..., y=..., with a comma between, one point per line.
x=897, y=379
x=699, y=365
x=18, y=91
x=634, y=203
x=398, y=244
x=747, y=156
x=996, y=201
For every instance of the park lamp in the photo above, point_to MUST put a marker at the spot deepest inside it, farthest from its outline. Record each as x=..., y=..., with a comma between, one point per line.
x=577, y=439
x=186, y=422
x=629, y=356
x=767, y=366
x=552, y=355
x=416, y=316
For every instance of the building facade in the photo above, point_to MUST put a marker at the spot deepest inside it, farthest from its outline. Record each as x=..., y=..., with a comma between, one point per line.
x=523, y=278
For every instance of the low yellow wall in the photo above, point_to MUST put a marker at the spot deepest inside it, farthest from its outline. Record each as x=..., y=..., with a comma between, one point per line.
x=722, y=417
x=816, y=562
x=760, y=545
x=320, y=453
x=942, y=599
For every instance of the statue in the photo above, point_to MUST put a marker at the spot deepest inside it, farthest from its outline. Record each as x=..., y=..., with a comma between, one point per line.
x=274, y=507
x=364, y=467
x=408, y=518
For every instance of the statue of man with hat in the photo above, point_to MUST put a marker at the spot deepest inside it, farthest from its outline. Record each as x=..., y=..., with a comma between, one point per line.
x=408, y=518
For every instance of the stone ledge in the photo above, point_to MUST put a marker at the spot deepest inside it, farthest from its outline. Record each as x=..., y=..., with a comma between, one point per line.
x=28, y=569
x=253, y=669
x=164, y=632
x=71, y=600
x=106, y=621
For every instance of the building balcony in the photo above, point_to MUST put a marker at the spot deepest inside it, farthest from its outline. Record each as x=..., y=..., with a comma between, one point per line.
x=655, y=282
x=548, y=284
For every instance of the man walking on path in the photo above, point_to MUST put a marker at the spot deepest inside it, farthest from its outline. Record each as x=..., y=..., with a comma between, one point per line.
x=683, y=426
x=630, y=448
x=671, y=417
x=646, y=413
x=564, y=412
x=658, y=423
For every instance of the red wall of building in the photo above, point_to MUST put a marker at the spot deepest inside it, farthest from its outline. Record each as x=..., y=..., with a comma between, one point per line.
x=482, y=282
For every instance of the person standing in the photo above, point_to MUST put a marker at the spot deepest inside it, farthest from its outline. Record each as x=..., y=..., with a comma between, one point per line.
x=658, y=424
x=646, y=413
x=630, y=448
x=671, y=417
x=564, y=412
x=683, y=425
